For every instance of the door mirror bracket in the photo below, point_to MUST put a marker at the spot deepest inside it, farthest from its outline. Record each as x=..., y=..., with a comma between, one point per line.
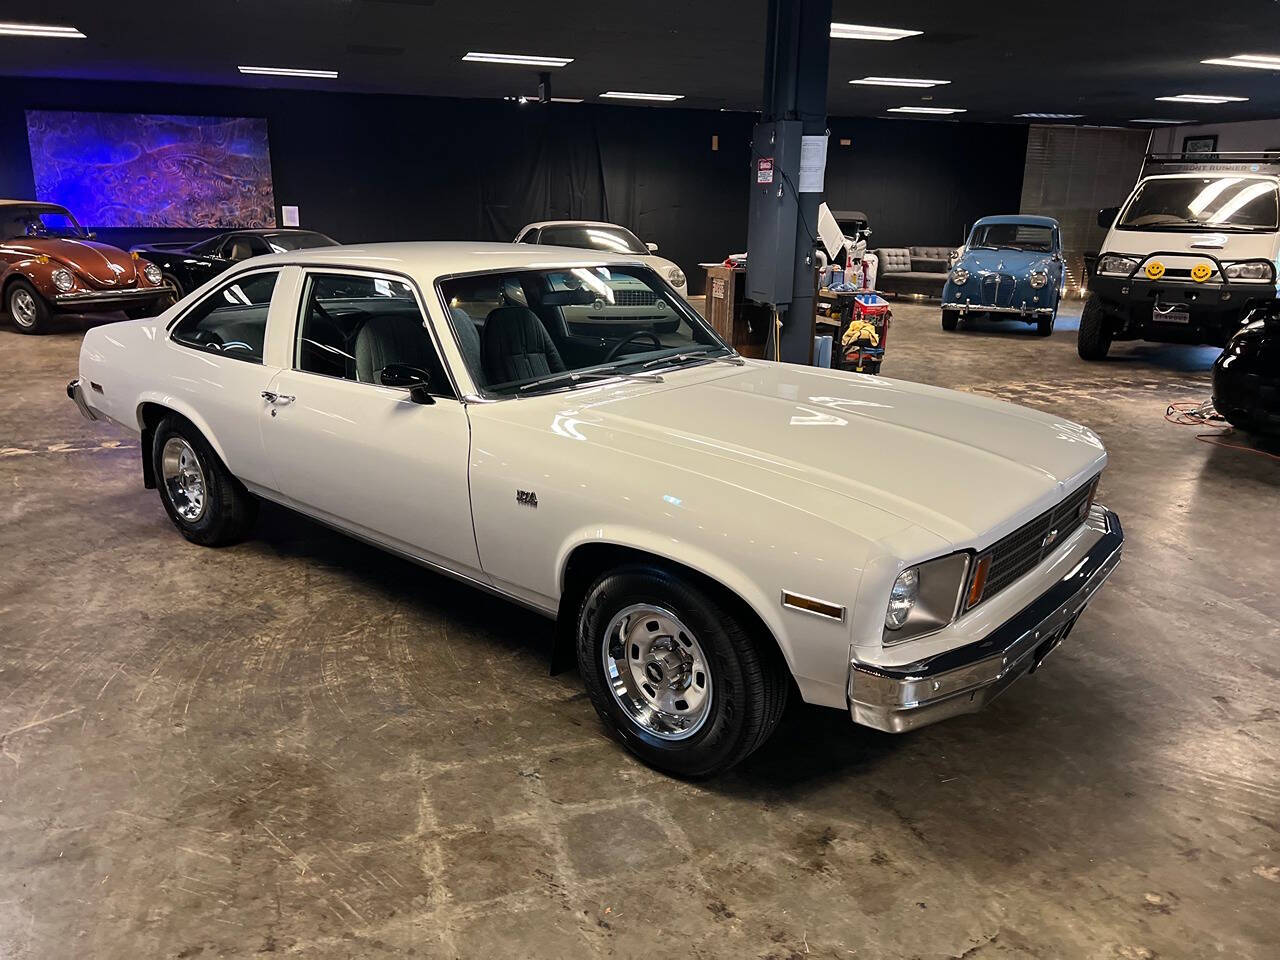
x=415, y=379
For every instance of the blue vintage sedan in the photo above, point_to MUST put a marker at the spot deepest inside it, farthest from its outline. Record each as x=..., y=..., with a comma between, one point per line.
x=1010, y=268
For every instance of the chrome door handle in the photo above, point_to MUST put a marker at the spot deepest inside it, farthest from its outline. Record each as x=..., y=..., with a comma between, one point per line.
x=270, y=397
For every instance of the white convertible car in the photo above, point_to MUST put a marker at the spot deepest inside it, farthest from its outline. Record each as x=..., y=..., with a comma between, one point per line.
x=712, y=534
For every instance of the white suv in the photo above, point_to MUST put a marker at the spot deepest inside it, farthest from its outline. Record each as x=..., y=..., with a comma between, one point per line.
x=1188, y=256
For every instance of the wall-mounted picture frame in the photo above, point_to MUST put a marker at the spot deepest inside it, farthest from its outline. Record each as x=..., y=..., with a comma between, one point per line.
x=1202, y=144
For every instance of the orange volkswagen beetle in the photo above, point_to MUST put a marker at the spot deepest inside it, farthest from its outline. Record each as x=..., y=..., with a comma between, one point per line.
x=50, y=264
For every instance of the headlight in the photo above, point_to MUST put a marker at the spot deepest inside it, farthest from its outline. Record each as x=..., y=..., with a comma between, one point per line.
x=153, y=274
x=902, y=598
x=960, y=276
x=675, y=277
x=925, y=598
x=1038, y=278
x=1113, y=266
x=63, y=280
x=1251, y=270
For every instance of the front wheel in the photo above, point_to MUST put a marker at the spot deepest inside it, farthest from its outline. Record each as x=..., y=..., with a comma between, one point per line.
x=1094, y=339
x=205, y=502
x=686, y=685
x=950, y=319
x=28, y=309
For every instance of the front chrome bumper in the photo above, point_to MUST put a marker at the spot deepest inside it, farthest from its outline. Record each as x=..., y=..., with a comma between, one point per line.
x=895, y=699
x=964, y=308
x=112, y=298
x=76, y=393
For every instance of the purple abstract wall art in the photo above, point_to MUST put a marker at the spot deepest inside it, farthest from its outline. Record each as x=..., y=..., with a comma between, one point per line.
x=148, y=170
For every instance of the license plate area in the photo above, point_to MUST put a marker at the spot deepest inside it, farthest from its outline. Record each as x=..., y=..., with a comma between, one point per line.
x=1170, y=313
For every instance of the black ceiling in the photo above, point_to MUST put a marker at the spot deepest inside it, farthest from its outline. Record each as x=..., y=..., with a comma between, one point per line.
x=1108, y=61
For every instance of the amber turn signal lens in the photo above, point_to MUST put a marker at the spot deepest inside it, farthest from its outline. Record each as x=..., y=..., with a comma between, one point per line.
x=978, y=582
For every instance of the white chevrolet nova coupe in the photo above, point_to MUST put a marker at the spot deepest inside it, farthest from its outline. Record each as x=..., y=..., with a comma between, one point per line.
x=712, y=534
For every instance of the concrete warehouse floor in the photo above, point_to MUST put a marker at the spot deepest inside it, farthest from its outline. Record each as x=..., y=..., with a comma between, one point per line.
x=300, y=745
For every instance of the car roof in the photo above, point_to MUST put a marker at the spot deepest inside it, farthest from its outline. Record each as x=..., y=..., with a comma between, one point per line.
x=32, y=204
x=571, y=223
x=444, y=258
x=1017, y=218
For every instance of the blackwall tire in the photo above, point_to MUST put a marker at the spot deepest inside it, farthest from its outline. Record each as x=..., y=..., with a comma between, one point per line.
x=950, y=319
x=1094, y=339
x=205, y=502
x=27, y=309
x=639, y=617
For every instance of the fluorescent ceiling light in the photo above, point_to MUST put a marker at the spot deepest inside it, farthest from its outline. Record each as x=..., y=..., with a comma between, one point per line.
x=566, y=99
x=1254, y=60
x=854, y=31
x=898, y=82
x=1202, y=98
x=1157, y=120
x=1048, y=116
x=934, y=110
x=624, y=95
x=39, y=30
x=290, y=72
x=518, y=59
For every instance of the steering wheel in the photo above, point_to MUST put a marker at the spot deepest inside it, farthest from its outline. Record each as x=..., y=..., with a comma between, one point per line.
x=617, y=347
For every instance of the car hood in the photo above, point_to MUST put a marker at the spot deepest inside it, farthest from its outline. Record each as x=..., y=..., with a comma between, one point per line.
x=967, y=468
x=1208, y=242
x=97, y=264
x=1016, y=262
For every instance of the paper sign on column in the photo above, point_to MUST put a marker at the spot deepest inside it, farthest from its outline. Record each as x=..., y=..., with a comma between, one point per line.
x=813, y=163
x=289, y=216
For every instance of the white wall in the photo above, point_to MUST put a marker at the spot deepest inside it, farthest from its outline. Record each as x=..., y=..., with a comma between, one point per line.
x=1246, y=135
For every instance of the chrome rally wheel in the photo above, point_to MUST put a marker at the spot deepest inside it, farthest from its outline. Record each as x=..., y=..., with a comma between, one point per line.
x=22, y=306
x=657, y=671
x=183, y=478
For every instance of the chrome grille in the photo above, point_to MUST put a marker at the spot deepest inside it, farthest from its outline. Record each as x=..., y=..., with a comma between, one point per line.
x=997, y=289
x=1017, y=554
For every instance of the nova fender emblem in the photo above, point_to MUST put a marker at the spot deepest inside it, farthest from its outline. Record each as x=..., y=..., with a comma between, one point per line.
x=527, y=498
x=1048, y=540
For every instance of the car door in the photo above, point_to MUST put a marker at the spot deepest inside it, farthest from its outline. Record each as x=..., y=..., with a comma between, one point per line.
x=220, y=363
x=364, y=456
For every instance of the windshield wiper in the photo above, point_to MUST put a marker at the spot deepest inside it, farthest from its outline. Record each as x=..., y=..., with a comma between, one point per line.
x=699, y=355
x=577, y=376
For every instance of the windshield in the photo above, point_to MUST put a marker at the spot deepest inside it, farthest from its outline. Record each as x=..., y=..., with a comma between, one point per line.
x=604, y=237
x=28, y=222
x=530, y=331
x=1192, y=203
x=1013, y=236
x=298, y=240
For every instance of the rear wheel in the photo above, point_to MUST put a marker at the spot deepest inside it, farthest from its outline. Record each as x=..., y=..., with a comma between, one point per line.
x=28, y=309
x=205, y=502
x=680, y=678
x=1094, y=338
x=950, y=319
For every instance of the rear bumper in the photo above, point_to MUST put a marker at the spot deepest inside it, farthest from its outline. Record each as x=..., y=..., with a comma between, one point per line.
x=76, y=393
x=896, y=699
x=109, y=299
x=1016, y=311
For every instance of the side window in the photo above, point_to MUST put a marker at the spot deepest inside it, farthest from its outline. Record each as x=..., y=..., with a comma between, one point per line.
x=354, y=325
x=232, y=320
x=530, y=237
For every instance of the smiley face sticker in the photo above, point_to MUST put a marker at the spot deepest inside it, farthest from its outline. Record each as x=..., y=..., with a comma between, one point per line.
x=1201, y=272
x=1154, y=270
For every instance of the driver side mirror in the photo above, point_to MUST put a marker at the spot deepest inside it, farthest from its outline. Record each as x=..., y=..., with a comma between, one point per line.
x=414, y=378
x=652, y=247
x=1107, y=216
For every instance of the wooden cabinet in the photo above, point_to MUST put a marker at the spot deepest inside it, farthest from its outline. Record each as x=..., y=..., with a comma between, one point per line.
x=742, y=322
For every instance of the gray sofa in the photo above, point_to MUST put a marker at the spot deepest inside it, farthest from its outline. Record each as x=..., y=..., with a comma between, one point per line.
x=921, y=270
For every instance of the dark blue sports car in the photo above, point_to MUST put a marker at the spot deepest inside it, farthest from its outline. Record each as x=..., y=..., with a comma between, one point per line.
x=1010, y=268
